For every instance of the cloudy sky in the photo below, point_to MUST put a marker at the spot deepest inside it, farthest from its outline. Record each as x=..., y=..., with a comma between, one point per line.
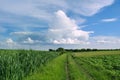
x=44, y=24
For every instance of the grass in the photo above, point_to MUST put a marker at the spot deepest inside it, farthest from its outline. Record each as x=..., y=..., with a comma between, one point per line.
x=54, y=70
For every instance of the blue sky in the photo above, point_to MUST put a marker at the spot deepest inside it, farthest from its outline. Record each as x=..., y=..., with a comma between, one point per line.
x=44, y=24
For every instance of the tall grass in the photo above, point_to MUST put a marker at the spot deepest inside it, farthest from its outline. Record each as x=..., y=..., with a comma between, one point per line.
x=16, y=64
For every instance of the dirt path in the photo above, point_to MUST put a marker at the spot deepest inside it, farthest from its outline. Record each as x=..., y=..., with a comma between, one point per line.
x=67, y=69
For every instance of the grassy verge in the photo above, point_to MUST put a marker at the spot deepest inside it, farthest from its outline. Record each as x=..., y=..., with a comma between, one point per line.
x=54, y=70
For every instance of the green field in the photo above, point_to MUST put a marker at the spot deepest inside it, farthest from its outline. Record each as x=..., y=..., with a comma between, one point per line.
x=45, y=65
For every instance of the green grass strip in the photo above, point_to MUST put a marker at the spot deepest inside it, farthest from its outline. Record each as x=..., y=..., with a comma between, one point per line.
x=54, y=70
x=74, y=70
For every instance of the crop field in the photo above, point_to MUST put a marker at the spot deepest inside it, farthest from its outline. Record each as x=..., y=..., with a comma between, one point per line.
x=103, y=65
x=16, y=64
x=52, y=65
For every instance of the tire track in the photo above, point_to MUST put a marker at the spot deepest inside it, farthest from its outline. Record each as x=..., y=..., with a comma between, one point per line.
x=67, y=68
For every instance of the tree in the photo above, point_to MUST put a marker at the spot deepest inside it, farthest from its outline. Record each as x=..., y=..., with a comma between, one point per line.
x=60, y=49
x=51, y=50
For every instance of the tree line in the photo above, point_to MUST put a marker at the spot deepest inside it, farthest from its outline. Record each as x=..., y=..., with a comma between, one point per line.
x=60, y=49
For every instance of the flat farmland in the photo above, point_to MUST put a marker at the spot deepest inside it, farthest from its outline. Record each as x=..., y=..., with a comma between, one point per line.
x=46, y=65
x=100, y=65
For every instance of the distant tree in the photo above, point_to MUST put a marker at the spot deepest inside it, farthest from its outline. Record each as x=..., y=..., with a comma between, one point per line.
x=88, y=49
x=83, y=49
x=76, y=50
x=94, y=49
x=60, y=49
x=50, y=49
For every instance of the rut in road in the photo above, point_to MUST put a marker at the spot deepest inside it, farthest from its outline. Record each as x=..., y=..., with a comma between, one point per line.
x=67, y=69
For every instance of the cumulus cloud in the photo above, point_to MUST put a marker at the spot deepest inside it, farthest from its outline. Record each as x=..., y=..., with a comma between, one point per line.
x=29, y=40
x=29, y=37
x=109, y=20
x=64, y=30
x=10, y=41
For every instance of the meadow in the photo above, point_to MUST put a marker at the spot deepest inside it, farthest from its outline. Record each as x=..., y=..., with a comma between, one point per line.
x=56, y=65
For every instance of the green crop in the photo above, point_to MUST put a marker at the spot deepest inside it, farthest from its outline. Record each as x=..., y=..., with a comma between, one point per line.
x=16, y=64
x=103, y=65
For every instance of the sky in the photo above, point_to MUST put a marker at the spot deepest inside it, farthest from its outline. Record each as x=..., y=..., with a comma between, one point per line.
x=45, y=24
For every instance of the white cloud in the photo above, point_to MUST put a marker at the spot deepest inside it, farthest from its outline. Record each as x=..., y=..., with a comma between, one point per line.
x=21, y=8
x=64, y=30
x=107, y=40
x=43, y=9
x=10, y=41
x=34, y=38
x=100, y=42
x=29, y=41
x=88, y=7
x=21, y=33
x=70, y=41
x=109, y=20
